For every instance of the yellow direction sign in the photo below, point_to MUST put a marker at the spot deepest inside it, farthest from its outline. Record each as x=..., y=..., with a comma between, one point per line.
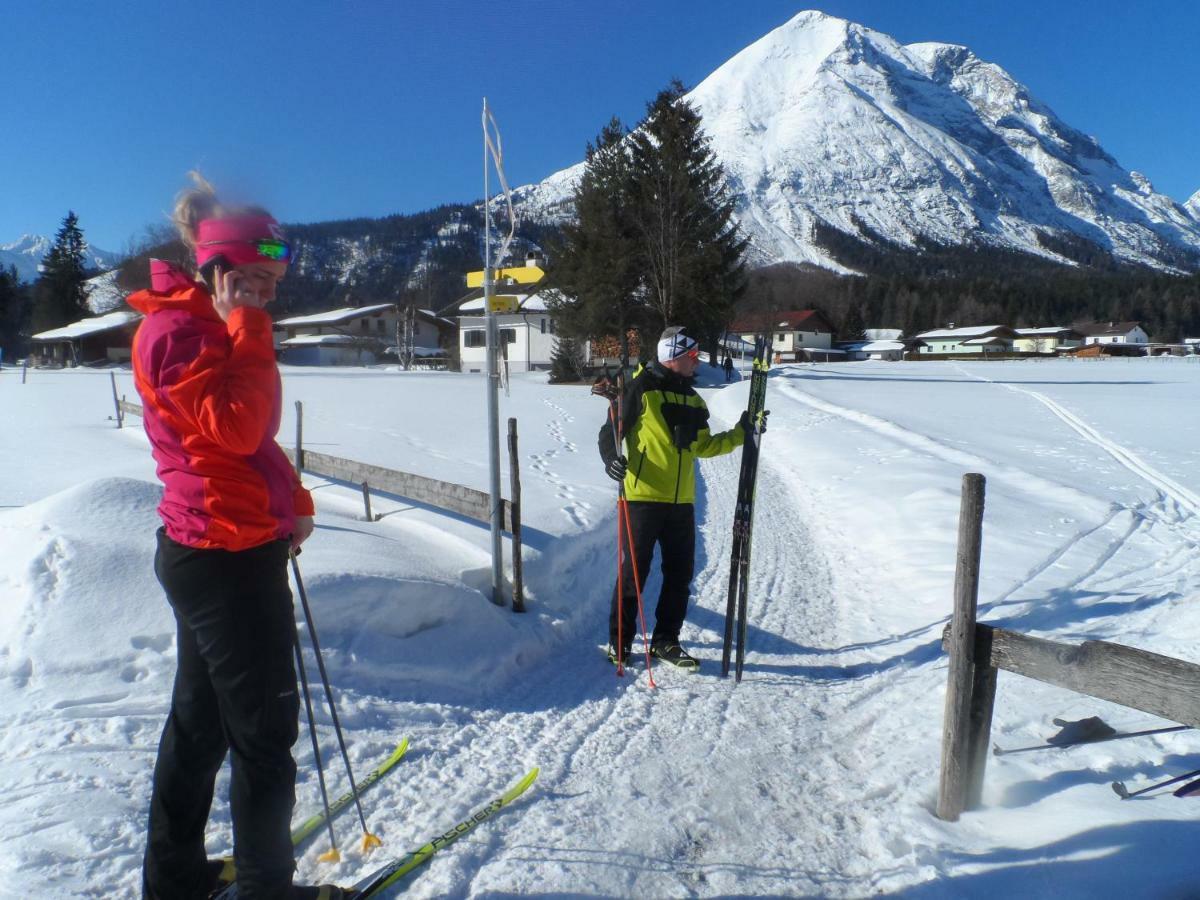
x=503, y=303
x=519, y=274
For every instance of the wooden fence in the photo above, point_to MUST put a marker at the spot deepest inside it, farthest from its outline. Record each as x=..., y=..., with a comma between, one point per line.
x=1159, y=685
x=453, y=498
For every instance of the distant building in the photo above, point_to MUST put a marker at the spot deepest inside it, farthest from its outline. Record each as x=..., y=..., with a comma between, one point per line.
x=527, y=330
x=1051, y=339
x=92, y=341
x=976, y=339
x=795, y=335
x=355, y=335
x=889, y=351
x=1112, y=333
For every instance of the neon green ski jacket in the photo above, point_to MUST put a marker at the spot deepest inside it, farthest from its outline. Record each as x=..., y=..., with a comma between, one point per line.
x=666, y=429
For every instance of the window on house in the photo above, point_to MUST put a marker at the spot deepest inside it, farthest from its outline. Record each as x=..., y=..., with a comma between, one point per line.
x=366, y=326
x=474, y=338
x=543, y=326
x=379, y=324
x=779, y=338
x=508, y=335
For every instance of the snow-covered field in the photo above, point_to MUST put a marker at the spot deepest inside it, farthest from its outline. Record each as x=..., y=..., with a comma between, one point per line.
x=816, y=776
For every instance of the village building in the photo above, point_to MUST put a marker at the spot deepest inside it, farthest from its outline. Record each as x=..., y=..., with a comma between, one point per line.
x=97, y=340
x=976, y=340
x=358, y=335
x=526, y=327
x=1112, y=333
x=1050, y=339
x=797, y=335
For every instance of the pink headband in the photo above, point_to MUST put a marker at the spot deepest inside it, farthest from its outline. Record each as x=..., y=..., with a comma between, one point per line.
x=236, y=239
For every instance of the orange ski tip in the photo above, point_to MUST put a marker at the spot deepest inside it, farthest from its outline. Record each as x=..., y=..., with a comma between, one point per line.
x=370, y=842
x=330, y=856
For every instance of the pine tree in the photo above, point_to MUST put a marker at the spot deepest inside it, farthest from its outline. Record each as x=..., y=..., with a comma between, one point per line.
x=566, y=361
x=60, y=294
x=682, y=211
x=14, y=312
x=595, y=264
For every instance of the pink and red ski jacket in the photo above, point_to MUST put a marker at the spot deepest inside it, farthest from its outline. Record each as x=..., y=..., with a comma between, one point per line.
x=212, y=401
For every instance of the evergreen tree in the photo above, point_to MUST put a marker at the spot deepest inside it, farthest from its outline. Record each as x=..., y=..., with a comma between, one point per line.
x=60, y=294
x=682, y=211
x=14, y=313
x=594, y=263
x=566, y=361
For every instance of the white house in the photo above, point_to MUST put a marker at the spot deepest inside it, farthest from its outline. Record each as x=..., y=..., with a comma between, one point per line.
x=793, y=333
x=354, y=335
x=1113, y=333
x=883, y=350
x=526, y=335
x=1046, y=340
x=982, y=339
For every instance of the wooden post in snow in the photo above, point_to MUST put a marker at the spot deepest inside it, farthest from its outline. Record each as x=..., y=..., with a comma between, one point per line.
x=956, y=775
x=514, y=470
x=299, y=460
x=116, y=399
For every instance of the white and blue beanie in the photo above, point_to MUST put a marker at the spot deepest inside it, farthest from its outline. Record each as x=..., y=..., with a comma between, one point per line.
x=674, y=343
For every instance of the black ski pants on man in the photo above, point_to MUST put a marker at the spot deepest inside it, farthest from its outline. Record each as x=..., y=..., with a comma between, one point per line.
x=235, y=691
x=673, y=527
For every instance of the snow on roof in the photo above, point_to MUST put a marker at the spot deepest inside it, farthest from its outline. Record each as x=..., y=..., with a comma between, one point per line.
x=973, y=331
x=337, y=316
x=85, y=327
x=984, y=341
x=534, y=302
x=880, y=346
x=1051, y=329
x=308, y=340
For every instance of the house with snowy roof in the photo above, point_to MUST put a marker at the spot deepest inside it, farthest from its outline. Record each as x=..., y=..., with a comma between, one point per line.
x=974, y=339
x=1112, y=333
x=96, y=340
x=1049, y=339
x=521, y=304
x=358, y=335
x=804, y=334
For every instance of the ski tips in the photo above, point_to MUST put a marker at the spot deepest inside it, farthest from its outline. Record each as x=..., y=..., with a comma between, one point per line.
x=370, y=842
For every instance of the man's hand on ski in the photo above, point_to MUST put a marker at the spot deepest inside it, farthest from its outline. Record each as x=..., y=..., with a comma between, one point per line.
x=748, y=426
x=617, y=468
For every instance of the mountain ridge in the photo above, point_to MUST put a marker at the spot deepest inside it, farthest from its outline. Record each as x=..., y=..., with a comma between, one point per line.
x=824, y=123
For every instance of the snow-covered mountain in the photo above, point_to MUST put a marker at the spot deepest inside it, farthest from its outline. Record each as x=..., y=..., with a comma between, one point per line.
x=27, y=254
x=826, y=124
x=1193, y=205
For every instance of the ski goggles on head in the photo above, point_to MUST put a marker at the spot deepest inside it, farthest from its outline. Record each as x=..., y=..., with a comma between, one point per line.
x=266, y=248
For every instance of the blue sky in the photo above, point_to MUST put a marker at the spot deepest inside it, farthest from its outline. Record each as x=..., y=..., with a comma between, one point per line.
x=324, y=110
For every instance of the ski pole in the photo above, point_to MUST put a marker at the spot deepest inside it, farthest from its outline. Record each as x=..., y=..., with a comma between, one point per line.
x=332, y=855
x=1120, y=736
x=370, y=841
x=1125, y=794
x=616, y=421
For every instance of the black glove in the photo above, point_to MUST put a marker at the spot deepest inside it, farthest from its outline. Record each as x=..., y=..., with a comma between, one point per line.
x=748, y=426
x=617, y=468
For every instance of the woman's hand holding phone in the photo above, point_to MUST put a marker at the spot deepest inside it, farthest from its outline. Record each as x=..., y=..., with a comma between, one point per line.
x=233, y=290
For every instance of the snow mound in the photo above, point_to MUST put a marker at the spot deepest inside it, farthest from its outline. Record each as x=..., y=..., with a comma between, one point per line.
x=77, y=589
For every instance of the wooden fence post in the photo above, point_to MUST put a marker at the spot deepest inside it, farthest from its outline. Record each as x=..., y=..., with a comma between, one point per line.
x=514, y=470
x=24, y=368
x=956, y=729
x=367, y=502
x=116, y=399
x=299, y=436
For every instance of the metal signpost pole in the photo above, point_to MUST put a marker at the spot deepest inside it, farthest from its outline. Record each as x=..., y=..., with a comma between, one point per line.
x=493, y=385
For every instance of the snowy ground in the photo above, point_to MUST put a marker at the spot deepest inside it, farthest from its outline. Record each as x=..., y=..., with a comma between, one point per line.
x=816, y=776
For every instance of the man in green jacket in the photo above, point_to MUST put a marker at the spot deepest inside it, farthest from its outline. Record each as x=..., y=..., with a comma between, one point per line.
x=665, y=428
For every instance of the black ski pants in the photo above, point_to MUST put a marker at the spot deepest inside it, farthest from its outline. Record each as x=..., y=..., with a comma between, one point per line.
x=672, y=526
x=235, y=691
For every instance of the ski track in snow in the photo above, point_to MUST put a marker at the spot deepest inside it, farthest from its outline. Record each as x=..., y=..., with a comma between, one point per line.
x=673, y=821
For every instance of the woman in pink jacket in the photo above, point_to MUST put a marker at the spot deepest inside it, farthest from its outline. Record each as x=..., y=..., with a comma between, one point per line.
x=204, y=364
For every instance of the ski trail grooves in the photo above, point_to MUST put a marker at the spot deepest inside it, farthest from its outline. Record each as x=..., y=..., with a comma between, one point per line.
x=1127, y=458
